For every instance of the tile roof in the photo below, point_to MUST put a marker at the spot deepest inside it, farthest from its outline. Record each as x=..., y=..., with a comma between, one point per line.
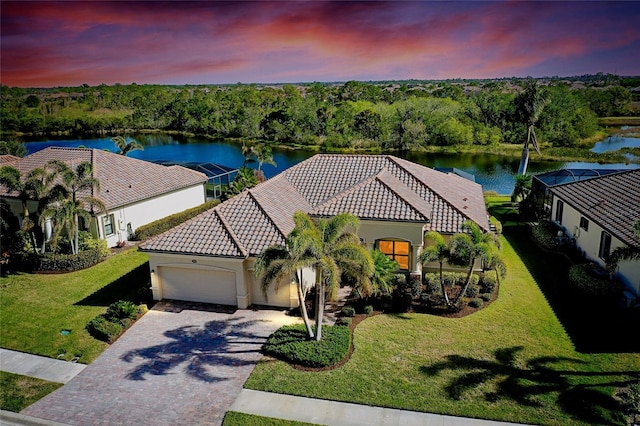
x=8, y=158
x=123, y=180
x=373, y=187
x=611, y=201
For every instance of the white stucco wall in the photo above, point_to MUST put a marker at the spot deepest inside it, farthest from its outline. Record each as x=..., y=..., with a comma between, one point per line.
x=589, y=243
x=147, y=211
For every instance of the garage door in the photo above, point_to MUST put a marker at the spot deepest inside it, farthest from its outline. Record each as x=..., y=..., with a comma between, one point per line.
x=198, y=285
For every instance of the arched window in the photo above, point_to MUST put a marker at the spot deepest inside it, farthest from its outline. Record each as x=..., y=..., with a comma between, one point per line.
x=396, y=250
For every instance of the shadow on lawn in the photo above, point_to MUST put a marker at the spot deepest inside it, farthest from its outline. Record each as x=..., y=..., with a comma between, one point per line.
x=202, y=350
x=593, y=327
x=581, y=394
x=133, y=286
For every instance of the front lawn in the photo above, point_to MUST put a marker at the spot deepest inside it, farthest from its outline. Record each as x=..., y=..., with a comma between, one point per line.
x=512, y=361
x=18, y=392
x=47, y=314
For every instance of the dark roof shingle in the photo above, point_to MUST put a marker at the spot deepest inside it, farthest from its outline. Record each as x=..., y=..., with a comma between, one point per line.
x=612, y=201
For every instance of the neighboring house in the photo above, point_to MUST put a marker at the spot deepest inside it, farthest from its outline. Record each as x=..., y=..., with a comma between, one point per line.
x=211, y=257
x=599, y=214
x=135, y=192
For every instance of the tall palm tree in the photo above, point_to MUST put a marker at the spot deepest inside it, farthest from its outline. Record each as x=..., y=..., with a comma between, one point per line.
x=439, y=251
x=32, y=187
x=626, y=252
x=126, y=145
x=278, y=263
x=465, y=248
x=74, y=196
x=529, y=106
x=333, y=250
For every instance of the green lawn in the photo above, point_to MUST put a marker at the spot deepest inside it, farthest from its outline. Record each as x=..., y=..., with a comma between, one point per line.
x=17, y=392
x=35, y=308
x=512, y=361
x=233, y=418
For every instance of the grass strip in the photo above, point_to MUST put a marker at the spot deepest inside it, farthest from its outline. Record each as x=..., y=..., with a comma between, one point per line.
x=18, y=392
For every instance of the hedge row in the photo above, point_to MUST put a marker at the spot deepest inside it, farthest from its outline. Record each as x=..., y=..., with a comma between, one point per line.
x=161, y=225
x=32, y=262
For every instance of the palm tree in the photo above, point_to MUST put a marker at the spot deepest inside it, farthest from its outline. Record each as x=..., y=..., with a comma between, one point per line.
x=522, y=187
x=279, y=262
x=264, y=155
x=626, y=252
x=32, y=187
x=465, y=248
x=126, y=145
x=70, y=198
x=384, y=269
x=247, y=152
x=529, y=106
x=437, y=251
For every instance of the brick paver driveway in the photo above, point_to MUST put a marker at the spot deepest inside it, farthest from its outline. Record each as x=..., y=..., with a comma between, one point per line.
x=179, y=364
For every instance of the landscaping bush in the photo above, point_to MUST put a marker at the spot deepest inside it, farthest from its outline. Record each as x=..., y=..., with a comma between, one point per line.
x=488, y=283
x=368, y=309
x=161, y=225
x=415, y=285
x=476, y=302
x=90, y=243
x=122, y=309
x=432, y=283
x=585, y=282
x=486, y=297
x=103, y=329
x=290, y=343
x=545, y=234
x=473, y=291
x=31, y=262
x=348, y=311
x=344, y=322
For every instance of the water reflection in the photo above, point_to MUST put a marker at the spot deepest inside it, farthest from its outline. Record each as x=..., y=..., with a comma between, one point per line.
x=493, y=172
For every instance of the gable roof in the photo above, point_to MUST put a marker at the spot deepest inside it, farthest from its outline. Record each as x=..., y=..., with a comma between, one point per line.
x=373, y=187
x=611, y=201
x=123, y=180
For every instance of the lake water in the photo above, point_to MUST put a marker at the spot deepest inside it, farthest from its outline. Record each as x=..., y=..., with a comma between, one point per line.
x=493, y=172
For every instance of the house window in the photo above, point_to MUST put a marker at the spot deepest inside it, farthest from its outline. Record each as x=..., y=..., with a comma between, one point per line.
x=107, y=223
x=559, y=208
x=396, y=250
x=584, y=223
x=605, y=245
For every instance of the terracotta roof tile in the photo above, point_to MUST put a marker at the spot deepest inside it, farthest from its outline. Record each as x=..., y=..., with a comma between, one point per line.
x=123, y=180
x=612, y=201
x=374, y=187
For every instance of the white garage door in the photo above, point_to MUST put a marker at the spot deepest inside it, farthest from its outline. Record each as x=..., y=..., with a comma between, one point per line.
x=198, y=285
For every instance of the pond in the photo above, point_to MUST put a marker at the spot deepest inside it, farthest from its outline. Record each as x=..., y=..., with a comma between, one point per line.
x=493, y=172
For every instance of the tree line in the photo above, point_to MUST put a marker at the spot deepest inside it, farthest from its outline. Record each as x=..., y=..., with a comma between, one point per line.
x=404, y=115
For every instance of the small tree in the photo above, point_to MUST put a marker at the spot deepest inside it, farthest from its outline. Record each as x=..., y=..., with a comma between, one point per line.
x=437, y=251
x=384, y=269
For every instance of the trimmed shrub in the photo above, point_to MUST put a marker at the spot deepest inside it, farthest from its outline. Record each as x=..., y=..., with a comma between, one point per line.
x=90, y=243
x=473, y=291
x=348, y=311
x=587, y=283
x=344, y=322
x=368, y=309
x=476, y=302
x=486, y=297
x=122, y=309
x=545, y=234
x=161, y=225
x=488, y=283
x=103, y=329
x=31, y=262
x=415, y=285
x=290, y=343
x=432, y=283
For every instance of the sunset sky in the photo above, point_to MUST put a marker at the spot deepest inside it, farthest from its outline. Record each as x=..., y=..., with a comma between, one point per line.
x=45, y=44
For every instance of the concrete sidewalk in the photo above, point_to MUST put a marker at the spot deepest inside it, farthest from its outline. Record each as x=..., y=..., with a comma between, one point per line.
x=325, y=412
x=53, y=370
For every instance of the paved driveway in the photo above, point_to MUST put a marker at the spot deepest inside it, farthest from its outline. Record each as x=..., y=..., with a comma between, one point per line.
x=180, y=364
